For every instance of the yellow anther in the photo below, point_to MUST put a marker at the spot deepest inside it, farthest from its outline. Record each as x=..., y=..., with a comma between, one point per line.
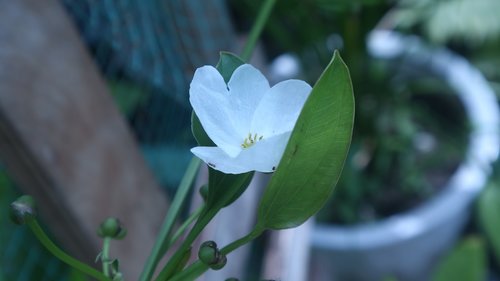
x=251, y=140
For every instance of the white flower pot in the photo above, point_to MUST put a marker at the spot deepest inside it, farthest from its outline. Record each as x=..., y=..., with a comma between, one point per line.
x=407, y=246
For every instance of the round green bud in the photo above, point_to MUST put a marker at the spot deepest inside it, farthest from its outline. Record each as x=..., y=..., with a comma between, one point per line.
x=204, y=192
x=221, y=262
x=112, y=228
x=208, y=253
x=23, y=209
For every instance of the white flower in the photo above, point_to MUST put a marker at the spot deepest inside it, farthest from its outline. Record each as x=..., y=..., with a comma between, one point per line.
x=249, y=121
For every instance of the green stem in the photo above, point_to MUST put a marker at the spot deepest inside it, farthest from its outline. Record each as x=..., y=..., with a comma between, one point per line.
x=198, y=268
x=185, y=225
x=256, y=232
x=257, y=28
x=192, y=272
x=172, y=265
x=161, y=245
x=60, y=254
x=105, y=256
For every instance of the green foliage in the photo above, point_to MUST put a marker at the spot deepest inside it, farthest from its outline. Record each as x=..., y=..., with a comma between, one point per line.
x=315, y=154
x=471, y=21
x=467, y=262
x=488, y=211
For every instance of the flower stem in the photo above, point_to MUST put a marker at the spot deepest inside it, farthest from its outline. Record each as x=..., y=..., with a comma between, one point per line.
x=60, y=254
x=257, y=28
x=172, y=265
x=256, y=232
x=191, y=272
x=105, y=256
x=185, y=225
x=161, y=245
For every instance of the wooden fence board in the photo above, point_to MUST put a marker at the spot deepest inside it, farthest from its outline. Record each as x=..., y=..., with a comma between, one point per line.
x=63, y=140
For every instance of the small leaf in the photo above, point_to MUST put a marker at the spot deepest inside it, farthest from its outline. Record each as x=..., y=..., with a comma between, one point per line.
x=315, y=154
x=228, y=62
x=98, y=257
x=224, y=189
x=488, y=214
x=115, y=265
x=467, y=262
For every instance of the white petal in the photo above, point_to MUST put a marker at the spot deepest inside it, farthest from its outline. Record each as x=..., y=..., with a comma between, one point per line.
x=279, y=108
x=263, y=156
x=246, y=87
x=219, y=160
x=209, y=97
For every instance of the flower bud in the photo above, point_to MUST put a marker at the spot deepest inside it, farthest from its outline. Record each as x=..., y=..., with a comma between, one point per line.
x=112, y=228
x=204, y=192
x=208, y=253
x=221, y=262
x=23, y=209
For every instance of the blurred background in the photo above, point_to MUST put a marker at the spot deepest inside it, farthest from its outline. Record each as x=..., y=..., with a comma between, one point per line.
x=94, y=108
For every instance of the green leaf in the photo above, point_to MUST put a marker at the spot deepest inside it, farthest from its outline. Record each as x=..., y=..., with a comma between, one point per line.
x=228, y=62
x=223, y=189
x=467, y=262
x=488, y=214
x=199, y=133
x=315, y=154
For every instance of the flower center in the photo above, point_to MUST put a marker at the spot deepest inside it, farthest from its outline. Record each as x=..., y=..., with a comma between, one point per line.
x=251, y=140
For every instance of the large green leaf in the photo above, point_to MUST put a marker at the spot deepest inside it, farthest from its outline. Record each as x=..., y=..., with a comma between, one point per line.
x=467, y=262
x=223, y=189
x=489, y=214
x=315, y=154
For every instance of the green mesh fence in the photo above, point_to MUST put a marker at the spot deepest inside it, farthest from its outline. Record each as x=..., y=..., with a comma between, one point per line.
x=147, y=50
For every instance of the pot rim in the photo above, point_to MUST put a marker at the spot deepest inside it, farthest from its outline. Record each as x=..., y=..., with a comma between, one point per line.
x=470, y=177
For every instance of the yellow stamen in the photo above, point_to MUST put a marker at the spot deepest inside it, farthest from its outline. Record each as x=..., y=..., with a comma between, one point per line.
x=251, y=140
